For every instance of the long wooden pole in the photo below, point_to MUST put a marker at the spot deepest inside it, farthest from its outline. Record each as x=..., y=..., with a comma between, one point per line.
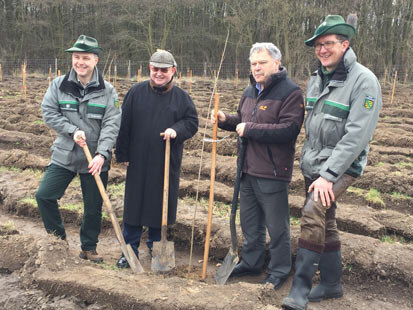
x=126, y=248
x=211, y=187
x=394, y=88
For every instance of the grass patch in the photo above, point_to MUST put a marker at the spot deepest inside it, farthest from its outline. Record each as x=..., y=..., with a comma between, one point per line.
x=403, y=164
x=295, y=221
x=374, y=196
x=380, y=164
x=108, y=266
x=116, y=189
x=37, y=173
x=75, y=207
x=9, y=226
x=29, y=201
x=38, y=122
x=395, y=239
x=12, y=168
x=400, y=196
x=105, y=215
x=355, y=190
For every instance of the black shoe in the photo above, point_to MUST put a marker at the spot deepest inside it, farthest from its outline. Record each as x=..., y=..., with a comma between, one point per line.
x=122, y=262
x=274, y=280
x=241, y=270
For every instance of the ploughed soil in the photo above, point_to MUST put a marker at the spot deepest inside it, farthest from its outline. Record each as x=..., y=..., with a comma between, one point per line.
x=38, y=271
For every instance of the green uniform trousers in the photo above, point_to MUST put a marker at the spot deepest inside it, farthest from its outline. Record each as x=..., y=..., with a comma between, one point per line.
x=54, y=183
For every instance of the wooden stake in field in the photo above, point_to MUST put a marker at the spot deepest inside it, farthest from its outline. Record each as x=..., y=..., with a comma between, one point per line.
x=50, y=74
x=211, y=187
x=385, y=77
x=180, y=79
x=1, y=74
x=190, y=81
x=24, y=87
x=129, y=70
x=236, y=78
x=394, y=87
x=58, y=72
x=215, y=75
x=115, y=75
x=140, y=74
x=55, y=66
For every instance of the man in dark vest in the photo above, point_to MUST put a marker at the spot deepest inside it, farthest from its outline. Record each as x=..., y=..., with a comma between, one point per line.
x=150, y=108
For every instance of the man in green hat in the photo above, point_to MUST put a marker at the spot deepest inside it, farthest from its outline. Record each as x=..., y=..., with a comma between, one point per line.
x=83, y=109
x=343, y=101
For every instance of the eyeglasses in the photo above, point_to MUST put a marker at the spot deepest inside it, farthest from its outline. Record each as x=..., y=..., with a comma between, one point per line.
x=327, y=45
x=156, y=69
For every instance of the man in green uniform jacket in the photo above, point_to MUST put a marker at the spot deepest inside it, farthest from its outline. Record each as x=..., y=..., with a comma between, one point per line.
x=83, y=109
x=343, y=101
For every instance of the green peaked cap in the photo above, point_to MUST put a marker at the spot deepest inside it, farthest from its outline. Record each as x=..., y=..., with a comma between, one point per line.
x=85, y=44
x=333, y=24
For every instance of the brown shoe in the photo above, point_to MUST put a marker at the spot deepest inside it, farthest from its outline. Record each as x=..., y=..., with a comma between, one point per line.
x=93, y=256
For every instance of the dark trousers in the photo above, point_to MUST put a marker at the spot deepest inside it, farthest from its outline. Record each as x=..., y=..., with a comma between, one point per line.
x=54, y=183
x=132, y=235
x=264, y=205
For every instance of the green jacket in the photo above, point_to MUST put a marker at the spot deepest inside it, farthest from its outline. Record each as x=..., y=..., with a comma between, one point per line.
x=340, y=121
x=67, y=107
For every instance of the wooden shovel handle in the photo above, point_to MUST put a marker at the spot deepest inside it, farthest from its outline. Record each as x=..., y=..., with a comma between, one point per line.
x=126, y=248
x=165, y=189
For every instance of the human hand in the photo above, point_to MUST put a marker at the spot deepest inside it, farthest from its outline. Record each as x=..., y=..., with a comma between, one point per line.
x=220, y=115
x=95, y=166
x=324, y=189
x=240, y=129
x=80, y=138
x=169, y=134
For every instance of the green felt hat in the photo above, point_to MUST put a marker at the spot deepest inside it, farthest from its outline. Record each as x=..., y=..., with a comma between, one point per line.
x=85, y=44
x=333, y=24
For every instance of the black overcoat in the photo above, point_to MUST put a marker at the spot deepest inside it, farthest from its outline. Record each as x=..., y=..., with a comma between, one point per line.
x=145, y=114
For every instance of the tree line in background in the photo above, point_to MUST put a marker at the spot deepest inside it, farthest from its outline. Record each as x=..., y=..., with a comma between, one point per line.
x=195, y=30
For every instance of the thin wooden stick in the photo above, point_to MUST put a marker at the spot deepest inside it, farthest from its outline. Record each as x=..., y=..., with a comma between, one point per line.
x=211, y=187
x=202, y=152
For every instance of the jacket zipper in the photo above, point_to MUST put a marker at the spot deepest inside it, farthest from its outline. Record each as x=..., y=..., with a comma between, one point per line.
x=272, y=160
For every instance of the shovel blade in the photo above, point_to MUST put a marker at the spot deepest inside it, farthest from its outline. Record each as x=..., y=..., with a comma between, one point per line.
x=163, y=256
x=228, y=265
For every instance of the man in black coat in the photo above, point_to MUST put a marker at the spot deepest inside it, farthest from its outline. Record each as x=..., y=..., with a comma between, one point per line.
x=150, y=108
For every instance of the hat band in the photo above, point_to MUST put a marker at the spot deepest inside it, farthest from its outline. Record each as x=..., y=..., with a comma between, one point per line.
x=84, y=46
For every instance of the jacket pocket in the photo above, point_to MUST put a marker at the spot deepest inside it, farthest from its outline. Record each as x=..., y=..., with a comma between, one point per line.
x=62, y=150
x=95, y=110
x=68, y=106
x=331, y=130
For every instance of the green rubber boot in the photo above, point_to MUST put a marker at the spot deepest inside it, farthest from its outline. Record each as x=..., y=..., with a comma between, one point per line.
x=306, y=265
x=330, y=278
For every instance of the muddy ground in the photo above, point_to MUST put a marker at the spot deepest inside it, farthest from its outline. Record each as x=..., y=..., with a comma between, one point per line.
x=39, y=272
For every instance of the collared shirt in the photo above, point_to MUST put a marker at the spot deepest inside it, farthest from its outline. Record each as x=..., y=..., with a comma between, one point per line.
x=258, y=86
x=94, y=80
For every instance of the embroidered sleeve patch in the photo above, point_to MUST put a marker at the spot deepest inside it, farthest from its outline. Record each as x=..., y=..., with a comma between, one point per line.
x=116, y=104
x=369, y=102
